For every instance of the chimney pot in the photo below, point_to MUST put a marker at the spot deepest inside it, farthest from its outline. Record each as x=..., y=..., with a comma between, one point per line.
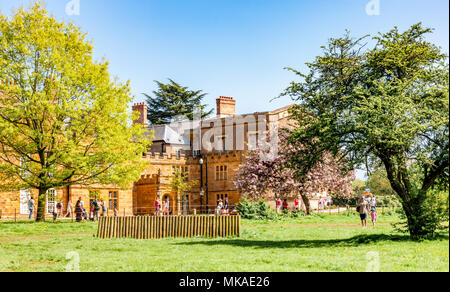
x=226, y=106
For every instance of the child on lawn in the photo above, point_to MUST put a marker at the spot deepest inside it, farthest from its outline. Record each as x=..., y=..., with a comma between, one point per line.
x=373, y=214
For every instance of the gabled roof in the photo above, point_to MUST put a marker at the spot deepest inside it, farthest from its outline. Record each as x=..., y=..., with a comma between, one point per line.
x=168, y=135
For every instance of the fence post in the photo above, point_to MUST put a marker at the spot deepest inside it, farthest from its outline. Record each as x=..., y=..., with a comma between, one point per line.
x=15, y=216
x=123, y=212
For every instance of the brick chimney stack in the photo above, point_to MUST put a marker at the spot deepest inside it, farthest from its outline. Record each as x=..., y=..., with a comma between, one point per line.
x=226, y=106
x=142, y=109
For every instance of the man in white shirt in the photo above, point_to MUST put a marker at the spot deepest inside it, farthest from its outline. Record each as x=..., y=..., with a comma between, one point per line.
x=329, y=202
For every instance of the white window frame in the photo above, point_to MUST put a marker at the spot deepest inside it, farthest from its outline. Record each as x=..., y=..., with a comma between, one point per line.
x=51, y=205
x=24, y=198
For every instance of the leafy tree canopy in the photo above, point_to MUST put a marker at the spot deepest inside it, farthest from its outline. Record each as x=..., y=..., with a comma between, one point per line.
x=63, y=119
x=387, y=104
x=258, y=177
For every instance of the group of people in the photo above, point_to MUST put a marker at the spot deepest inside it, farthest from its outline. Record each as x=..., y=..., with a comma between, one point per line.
x=162, y=208
x=97, y=208
x=56, y=212
x=223, y=207
x=283, y=205
x=325, y=203
x=365, y=207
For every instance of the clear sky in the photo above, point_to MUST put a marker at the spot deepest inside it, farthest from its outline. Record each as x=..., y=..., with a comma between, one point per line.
x=233, y=48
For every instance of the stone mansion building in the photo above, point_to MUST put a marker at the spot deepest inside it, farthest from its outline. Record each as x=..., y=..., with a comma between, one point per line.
x=208, y=151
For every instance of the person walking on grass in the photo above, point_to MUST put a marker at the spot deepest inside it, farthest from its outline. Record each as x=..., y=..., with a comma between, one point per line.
x=96, y=206
x=219, y=207
x=79, y=210
x=321, y=204
x=285, y=204
x=31, y=207
x=55, y=213
x=157, y=206
x=363, y=209
x=373, y=201
x=104, y=210
x=278, y=205
x=59, y=207
x=329, y=202
x=227, y=205
x=69, y=210
x=166, y=207
x=373, y=215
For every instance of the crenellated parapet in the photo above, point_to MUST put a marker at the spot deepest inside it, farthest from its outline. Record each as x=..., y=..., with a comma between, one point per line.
x=148, y=179
x=166, y=157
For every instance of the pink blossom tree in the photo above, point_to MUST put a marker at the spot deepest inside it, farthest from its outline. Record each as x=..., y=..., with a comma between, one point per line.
x=257, y=177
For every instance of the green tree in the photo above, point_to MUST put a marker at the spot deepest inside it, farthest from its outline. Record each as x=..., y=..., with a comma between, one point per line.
x=387, y=104
x=63, y=120
x=379, y=184
x=180, y=184
x=172, y=100
x=358, y=187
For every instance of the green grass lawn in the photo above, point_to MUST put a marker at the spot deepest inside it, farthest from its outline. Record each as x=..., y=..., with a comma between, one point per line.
x=316, y=243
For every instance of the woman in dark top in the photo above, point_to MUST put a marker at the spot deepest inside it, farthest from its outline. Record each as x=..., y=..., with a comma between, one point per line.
x=78, y=211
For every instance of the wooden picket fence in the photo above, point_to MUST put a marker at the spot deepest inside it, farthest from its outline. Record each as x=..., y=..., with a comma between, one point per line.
x=153, y=227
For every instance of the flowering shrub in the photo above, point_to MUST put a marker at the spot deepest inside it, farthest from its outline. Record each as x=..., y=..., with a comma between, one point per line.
x=258, y=176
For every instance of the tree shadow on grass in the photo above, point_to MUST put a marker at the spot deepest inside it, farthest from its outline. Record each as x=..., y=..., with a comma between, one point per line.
x=358, y=240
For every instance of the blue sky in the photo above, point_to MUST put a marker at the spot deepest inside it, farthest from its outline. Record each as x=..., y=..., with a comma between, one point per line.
x=233, y=48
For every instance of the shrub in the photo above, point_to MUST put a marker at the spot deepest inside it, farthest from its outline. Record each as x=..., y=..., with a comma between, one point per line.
x=255, y=210
x=434, y=212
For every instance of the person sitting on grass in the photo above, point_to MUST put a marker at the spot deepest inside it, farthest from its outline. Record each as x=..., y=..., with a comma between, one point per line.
x=363, y=209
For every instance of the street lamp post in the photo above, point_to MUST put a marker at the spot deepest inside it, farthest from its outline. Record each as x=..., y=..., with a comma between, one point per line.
x=206, y=185
x=201, y=185
x=158, y=197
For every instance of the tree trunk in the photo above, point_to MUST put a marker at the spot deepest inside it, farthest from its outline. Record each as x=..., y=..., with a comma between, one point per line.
x=412, y=203
x=416, y=219
x=41, y=205
x=307, y=204
x=178, y=204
